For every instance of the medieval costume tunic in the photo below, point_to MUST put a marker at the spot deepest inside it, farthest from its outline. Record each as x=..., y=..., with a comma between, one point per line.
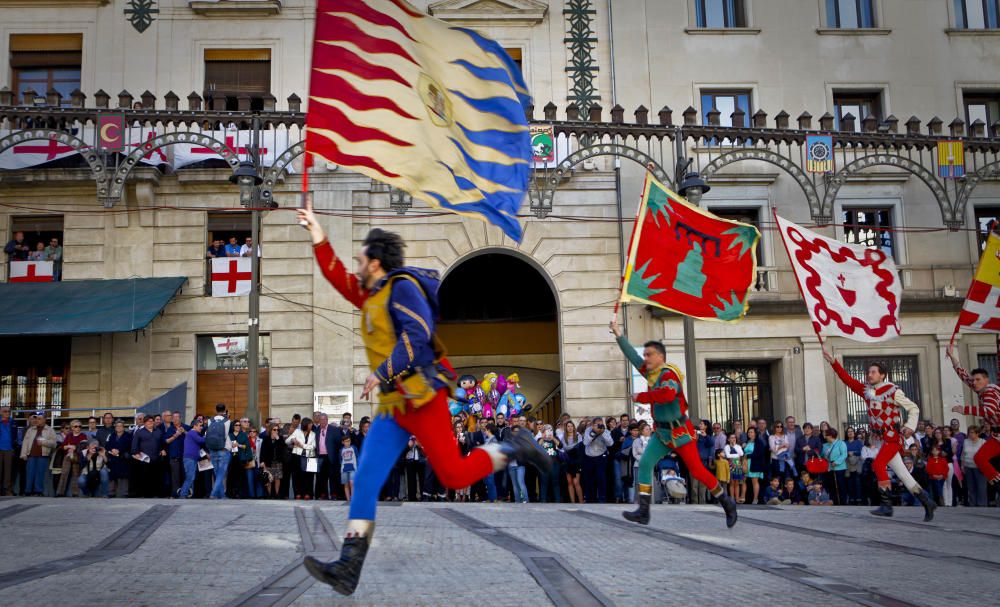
x=884, y=402
x=989, y=411
x=672, y=430
x=397, y=327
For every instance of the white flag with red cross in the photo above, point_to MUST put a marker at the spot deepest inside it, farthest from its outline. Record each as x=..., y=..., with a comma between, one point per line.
x=981, y=311
x=230, y=276
x=31, y=271
x=850, y=290
x=272, y=144
x=34, y=152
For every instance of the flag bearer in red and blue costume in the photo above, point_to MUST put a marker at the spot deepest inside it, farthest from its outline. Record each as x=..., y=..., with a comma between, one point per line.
x=672, y=430
x=398, y=310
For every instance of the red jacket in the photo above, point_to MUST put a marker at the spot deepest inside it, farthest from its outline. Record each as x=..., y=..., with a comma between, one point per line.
x=937, y=467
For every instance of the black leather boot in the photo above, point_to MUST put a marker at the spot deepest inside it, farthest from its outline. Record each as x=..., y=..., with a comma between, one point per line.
x=343, y=574
x=525, y=450
x=641, y=514
x=884, y=503
x=729, y=506
x=928, y=504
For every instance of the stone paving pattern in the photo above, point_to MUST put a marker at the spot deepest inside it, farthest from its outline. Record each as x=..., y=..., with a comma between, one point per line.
x=209, y=553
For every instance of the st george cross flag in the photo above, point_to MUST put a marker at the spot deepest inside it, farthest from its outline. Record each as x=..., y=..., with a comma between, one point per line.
x=981, y=311
x=850, y=290
x=431, y=108
x=230, y=276
x=686, y=260
x=30, y=271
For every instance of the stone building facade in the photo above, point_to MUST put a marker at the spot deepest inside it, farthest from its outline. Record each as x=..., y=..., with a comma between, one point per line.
x=728, y=55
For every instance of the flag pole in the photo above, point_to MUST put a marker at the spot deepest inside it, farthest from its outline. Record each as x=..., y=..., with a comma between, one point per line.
x=631, y=240
x=798, y=285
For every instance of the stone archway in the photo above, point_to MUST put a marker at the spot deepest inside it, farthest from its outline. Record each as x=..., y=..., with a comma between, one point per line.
x=500, y=312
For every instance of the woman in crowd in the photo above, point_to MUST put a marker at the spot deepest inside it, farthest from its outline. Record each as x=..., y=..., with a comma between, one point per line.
x=273, y=453
x=937, y=472
x=781, y=458
x=118, y=450
x=755, y=451
x=573, y=455
x=808, y=446
x=303, y=444
x=854, y=447
x=251, y=459
x=737, y=468
x=549, y=483
x=835, y=452
x=464, y=441
x=235, y=477
x=975, y=481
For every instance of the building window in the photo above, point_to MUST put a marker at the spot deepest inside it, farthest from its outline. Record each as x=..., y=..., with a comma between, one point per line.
x=33, y=373
x=977, y=14
x=989, y=362
x=228, y=229
x=517, y=55
x=720, y=13
x=986, y=221
x=982, y=105
x=870, y=227
x=36, y=238
x=232, y=73
x=738, y=392
x=42, y=62
x=859, y=104
x=726, y=102
x=903, y=371
x=230, y=351
x=850, y=14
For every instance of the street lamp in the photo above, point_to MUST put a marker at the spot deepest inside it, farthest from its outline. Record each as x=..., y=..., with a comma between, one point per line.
x=248, y=178
x=693, y=187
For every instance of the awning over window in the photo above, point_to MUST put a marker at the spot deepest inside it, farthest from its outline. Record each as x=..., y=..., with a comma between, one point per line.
x=84, y=307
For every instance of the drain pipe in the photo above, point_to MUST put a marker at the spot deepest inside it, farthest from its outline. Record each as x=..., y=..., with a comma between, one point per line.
x=618, y=204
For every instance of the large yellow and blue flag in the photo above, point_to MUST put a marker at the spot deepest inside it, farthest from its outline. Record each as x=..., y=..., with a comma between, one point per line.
x=427, y=107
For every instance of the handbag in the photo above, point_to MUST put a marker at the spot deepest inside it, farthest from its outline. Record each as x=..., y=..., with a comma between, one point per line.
x=309, y=464
x=817, y=465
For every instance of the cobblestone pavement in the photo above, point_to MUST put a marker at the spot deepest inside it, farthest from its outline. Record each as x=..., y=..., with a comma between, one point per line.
x=212, y=553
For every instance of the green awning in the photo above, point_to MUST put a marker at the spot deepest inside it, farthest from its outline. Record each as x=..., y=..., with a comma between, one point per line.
x=84, y=307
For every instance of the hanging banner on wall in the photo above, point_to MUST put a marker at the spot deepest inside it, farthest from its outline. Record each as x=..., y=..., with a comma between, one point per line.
x=819, y=153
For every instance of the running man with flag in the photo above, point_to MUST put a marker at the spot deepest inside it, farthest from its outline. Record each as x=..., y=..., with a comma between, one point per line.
x=437, y=111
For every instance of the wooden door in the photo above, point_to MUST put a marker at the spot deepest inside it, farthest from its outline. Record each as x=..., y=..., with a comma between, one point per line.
x=230, y=387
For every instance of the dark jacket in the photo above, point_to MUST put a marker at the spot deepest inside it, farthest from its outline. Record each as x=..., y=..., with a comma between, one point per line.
x=119, y=465
x=273, y=452
x=150, y=443
x=759, y=459
x=334, y=436
x=15, y=440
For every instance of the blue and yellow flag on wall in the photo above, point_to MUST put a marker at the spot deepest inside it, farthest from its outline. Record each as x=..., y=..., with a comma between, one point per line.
x=951, y=159
x=414, y=102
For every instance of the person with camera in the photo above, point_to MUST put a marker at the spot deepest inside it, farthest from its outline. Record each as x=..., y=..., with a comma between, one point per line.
x=596, y=441
x=673, y=429
x=93, y=480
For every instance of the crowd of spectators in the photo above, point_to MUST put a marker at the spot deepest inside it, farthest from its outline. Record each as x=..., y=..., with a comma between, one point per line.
x=595, y=460
x=220, y=248
x=18, y=249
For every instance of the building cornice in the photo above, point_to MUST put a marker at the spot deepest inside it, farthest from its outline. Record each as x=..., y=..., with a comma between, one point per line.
x=51, y=3
x=480, y=12
x=235, y=8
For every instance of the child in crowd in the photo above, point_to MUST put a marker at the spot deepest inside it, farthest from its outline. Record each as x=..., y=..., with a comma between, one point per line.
x=721, y=467
x=818, y=496
x=790, y=495
x=348, y=464
x=937, y=471
x=772, y=493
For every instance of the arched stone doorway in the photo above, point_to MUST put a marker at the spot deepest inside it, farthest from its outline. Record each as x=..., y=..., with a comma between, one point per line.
x=499, y=313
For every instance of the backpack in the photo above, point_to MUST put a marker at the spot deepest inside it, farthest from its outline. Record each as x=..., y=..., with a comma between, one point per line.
x=215, y=437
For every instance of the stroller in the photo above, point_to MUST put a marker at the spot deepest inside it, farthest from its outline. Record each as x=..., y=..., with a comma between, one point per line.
x=671, y=486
